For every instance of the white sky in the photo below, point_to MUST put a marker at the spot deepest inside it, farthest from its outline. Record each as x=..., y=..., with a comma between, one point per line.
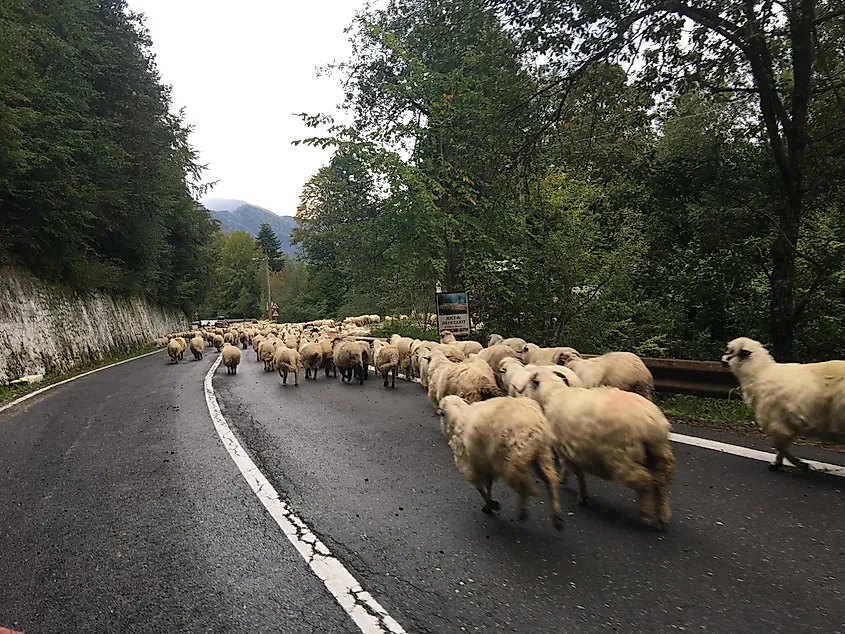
x=241, y=69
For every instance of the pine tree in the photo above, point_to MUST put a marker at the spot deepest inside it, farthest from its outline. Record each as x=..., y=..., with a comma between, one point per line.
x=268, y=242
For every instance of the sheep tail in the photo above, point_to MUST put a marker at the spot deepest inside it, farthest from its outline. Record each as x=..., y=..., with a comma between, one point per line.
x=660, y=461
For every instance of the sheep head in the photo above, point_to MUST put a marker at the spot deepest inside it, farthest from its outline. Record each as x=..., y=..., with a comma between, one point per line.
x=743, y=350
x=565, y=355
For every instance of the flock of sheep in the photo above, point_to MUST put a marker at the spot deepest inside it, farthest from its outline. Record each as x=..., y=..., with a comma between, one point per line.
x=513, y=409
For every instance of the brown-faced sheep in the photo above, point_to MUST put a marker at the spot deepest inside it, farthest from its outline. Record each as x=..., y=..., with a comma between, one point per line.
x=231, y=358
x=624, y=370
x=472, y=380
x=502, y=437
x=285, y=361
x=386, y=361
x=789, y=399
x=348, y=359
x=311, y=357
x=197, y=347
x=612, y=434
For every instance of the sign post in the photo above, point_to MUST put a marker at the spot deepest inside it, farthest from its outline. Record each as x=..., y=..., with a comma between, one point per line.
x=452, y=313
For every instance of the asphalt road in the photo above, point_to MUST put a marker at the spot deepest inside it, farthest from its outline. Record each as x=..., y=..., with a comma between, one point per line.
x=124, y=513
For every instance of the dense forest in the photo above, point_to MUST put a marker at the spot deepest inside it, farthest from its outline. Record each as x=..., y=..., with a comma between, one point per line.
x=98, y=181
x=638, y=175
x=650, y=176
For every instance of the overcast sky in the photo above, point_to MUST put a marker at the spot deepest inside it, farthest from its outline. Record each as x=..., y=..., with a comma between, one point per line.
x=241, y=69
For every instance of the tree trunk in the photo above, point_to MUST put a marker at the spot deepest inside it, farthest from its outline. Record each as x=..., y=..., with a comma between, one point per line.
x=782, y=300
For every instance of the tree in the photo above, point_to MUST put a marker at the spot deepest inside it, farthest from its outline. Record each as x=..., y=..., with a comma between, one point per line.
x=271, y=246
x=765, y=49
x=238, y=282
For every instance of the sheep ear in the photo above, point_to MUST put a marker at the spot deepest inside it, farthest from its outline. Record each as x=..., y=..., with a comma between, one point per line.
x=535, y=381
x=743, y=353
x=565, y=379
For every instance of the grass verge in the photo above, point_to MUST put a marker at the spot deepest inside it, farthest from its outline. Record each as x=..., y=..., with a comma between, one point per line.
x=705, y=409
x=11, y=392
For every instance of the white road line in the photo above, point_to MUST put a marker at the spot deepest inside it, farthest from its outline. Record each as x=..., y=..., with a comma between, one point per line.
x=736, y=450
x=754, y=454
x=73, y=378
x=362, y=608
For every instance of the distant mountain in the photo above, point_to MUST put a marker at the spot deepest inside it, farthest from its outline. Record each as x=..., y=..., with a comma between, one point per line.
x=223, y=204
x=236, y=215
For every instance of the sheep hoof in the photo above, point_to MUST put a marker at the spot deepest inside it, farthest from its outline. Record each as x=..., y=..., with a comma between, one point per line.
x=582, y=501
x=803, y=466
x=493, y=504
x=661, y=526
x=557, y=521
x=523, y=515
x=774, y=467
x=487, y=509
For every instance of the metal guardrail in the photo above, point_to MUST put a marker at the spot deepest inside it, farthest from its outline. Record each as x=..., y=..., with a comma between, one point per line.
x=681, y=376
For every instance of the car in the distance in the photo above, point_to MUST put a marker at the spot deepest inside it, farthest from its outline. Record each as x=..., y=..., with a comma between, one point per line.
x=221, y=322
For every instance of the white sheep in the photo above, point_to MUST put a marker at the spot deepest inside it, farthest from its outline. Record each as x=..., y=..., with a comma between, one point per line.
x=789, y=399
x=348, y=359
x=328, y=357
x=535, y=355
x=493, y=355
x=624, y=370
x=403, y=345
x=231, y=358
x=174, y=350
x=502, y=437
x=311, y=357
x=515, y=376
x=612, y=434
x=446, y=336
x=266, y=351
x=472, y=380
x=386, y=361
x=218, y=342
x=285, y=361
x=197, y=347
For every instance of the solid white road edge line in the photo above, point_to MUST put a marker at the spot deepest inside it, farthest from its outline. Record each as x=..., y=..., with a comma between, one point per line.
x=29, y=395
x=754, y=454
x=735, y=450
x=362, y=608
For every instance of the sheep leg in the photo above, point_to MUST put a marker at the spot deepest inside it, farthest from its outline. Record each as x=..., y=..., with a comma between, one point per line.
x=384, y=376
x=485, y=488
x=796, y=461
x=661, y=494
x=393, y=378
x=296, y=377
x=582, y=481
x=488, y=483
x=544, y=466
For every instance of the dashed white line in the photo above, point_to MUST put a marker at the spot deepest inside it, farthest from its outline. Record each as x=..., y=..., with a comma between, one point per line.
x=362, y=608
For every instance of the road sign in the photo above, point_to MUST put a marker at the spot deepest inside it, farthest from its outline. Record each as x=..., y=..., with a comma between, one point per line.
x=275, y=311
x=452, y=313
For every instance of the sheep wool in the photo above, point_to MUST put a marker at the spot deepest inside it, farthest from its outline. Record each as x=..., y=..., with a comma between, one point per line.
x=515, y=376
x=386, y=361
x=446, y=336
x=174, y=350
x=286, y=361
x=218, y=342
x=506, y=438
x=472, y=380
x=311, y=355
x=266, y=351
x=613, y=434
x=348, y=359
x=624, y=370
x=328, y=357
x=789, y=399
x=231, y=358
x=197, y=347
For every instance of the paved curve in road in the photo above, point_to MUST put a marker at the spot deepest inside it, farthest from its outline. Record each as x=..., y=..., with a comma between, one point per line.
x=124, y=512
